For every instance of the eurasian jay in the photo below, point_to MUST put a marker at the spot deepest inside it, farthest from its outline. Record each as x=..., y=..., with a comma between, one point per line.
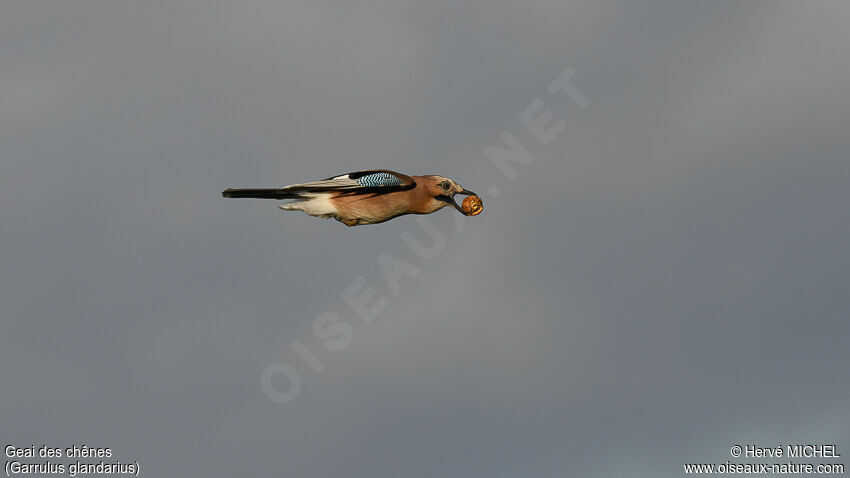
x=365, y=197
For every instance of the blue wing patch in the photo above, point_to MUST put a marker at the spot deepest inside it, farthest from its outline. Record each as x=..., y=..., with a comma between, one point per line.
x=377, y=180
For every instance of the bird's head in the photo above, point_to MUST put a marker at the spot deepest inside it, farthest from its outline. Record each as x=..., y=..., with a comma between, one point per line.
x=444, y=190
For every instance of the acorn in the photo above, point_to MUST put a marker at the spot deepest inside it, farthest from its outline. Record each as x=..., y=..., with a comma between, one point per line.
x=472, y=206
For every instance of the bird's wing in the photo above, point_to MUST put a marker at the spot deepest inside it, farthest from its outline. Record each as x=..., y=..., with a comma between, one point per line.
x=375, y=180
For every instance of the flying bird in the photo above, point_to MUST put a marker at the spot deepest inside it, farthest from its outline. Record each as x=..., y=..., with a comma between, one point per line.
x=368, y=197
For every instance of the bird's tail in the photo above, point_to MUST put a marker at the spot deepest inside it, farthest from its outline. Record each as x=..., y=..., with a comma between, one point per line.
x=260, y=193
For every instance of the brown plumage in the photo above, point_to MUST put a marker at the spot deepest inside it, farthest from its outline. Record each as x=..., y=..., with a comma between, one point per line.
x=364, y=197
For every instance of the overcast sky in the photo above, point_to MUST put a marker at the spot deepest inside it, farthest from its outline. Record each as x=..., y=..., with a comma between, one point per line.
x=668, y=277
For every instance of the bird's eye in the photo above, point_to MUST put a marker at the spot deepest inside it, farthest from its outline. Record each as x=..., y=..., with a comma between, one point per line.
x=445, y=186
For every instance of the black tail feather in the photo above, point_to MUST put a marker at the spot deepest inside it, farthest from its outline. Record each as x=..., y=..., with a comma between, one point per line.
x=260, y=193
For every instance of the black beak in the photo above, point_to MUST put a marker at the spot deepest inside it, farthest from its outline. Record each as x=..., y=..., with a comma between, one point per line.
x=451, y=199
x=456, y=205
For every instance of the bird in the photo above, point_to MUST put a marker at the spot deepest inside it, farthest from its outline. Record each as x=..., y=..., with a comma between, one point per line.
x=367, y=197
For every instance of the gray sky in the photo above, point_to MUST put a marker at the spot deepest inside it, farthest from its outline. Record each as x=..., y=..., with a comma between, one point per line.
x=667, y=278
